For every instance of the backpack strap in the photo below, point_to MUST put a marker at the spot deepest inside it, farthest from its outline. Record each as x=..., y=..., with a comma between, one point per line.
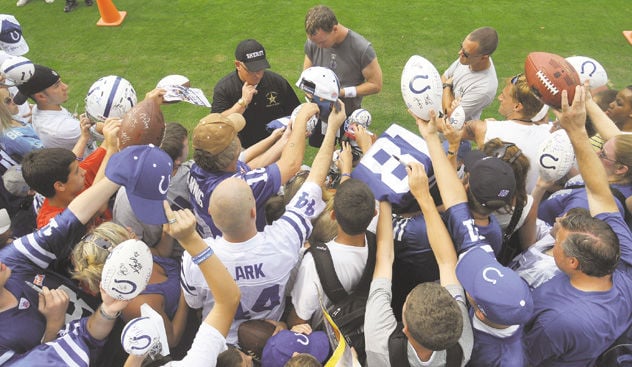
x=397, y=347
x=326, y=272
x=398, y=350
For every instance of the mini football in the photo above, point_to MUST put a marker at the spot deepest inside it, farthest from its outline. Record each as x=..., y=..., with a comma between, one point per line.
x=421, y=87
x=555, y=156
x=252, y=336
x=143, y=124
x=18, y=69
x=589, y=69
x=548, y=75
x=110, y=96
x=457, y=118
x=127, y=270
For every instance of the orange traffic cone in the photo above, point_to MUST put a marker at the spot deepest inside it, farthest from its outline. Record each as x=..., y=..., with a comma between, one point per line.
x=628, y=36
x=110, y=16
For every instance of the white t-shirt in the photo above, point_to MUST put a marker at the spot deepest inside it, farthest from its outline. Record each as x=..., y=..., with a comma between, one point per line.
x=208, y=344
x=349, y=263
x=526, y=137
x=260, y=266
x=58, y=129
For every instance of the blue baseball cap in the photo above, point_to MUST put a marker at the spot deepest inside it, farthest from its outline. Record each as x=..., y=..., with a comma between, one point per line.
x=501, y=295
x=145, y=171
x=281, y=346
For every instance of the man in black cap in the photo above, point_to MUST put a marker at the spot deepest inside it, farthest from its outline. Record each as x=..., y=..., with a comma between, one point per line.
x=258, y=94
x=55, y=126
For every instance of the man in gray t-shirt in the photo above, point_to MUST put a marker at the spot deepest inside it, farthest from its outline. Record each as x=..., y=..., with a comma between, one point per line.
x=353, y=59
x=471, y=79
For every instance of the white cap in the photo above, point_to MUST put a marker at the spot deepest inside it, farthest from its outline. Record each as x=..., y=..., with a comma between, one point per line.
x=11, y=40
x=5, y=221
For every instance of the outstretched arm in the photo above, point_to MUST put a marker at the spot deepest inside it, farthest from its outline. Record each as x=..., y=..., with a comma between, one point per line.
x=322, y=161
x=294, y=151
x=385, y=254
x=438, y=236
x=573, y=120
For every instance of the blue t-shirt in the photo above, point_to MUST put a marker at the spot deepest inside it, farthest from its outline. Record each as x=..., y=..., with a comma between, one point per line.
x=170, y=288
x=28, y=257
x=492, y=351
x=563, y=200
x=264, y=183
x=571, y=327
x=18, y=141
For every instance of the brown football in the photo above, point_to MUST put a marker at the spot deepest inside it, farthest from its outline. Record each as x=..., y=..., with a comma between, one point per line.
x=143, y=124
x=548, y=75
x=252, y=336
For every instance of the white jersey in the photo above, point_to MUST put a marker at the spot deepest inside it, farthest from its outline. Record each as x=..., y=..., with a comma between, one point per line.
x=260, y=266
x=58, y=129
x=349, y=263
x=526, y=137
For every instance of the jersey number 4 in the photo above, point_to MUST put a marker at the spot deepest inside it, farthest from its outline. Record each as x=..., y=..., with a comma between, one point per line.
x=268, y=299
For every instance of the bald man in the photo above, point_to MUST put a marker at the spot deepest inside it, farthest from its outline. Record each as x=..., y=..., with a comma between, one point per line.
x=260, y=262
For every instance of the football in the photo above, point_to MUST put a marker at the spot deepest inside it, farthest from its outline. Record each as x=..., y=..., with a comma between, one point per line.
x=421, y=87
x=127, y=270
x=252, y=336
x=146, y=334
x=17, y=69
x=555, y=156
x=143, y=124
x=589, y=69
x=110, y=96
x=548, y=75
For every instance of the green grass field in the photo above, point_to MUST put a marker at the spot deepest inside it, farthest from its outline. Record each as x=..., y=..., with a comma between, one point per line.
x=197, y=38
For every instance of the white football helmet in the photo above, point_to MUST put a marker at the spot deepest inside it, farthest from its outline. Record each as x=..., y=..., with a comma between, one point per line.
x=110, y=96
x=320, y=82
x=17, y=69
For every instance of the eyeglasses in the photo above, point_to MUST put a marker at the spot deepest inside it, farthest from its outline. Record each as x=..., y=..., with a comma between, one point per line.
x=602, y=155
x=465, y=54
x=501, y=152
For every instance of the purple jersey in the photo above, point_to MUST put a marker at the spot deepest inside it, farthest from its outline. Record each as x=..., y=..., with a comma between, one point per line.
x=264, y=183
x=27, y=257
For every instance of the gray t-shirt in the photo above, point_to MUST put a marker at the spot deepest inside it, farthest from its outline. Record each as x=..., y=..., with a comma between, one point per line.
x=476, y=89
x=379, y=323
x=347, y=60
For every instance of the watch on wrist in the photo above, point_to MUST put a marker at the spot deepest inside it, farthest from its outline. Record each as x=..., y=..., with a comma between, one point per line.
x=242, y=103
x=447, y=85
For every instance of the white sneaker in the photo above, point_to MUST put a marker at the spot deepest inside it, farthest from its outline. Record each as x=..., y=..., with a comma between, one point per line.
x=22, y=2
x=49, y=1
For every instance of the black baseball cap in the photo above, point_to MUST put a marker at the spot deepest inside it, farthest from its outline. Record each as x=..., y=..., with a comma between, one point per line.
x=492, y=180
x=43, y=77
x=252, y=53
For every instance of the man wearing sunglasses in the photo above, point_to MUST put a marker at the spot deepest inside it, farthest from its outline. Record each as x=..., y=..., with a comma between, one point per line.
x=258, y=94
x=471, y=79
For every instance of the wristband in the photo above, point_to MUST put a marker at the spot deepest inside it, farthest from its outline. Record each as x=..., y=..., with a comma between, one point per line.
x=108, y=317
x=202, y=256
x=346, y=175
x=350, y=92
x=450, y=153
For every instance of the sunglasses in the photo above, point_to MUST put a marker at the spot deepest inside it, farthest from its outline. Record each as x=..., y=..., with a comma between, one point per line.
x=514, y=80
x=97, y=241
x=501, y=152
x=465, y=54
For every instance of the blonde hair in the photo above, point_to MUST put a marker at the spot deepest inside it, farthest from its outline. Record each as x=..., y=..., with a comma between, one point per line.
x=521, y=92
x=325, y=228
x=623, y=152
x=90, y=253
x=6, y=119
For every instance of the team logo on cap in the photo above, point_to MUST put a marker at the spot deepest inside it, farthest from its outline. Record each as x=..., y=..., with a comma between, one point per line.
x=13, y=33
x=492, y=270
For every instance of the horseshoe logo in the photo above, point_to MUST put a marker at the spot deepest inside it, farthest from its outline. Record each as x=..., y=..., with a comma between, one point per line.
x=588, y=62
x=555, y=159
x=412, y=89
x=492, y=269
x=132, y=285
x=162, y=179
x=137, y=339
